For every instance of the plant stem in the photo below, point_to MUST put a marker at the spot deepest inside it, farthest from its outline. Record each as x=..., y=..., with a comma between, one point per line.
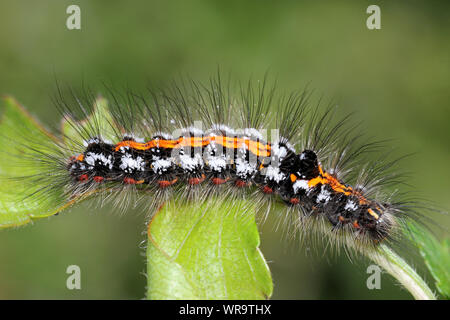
x=400, y=270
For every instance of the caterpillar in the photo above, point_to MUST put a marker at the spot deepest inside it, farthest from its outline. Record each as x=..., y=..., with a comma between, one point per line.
x=221, y=156
x=155, y=146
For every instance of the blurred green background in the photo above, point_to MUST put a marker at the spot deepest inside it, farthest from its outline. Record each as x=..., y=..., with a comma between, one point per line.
x=396, y=78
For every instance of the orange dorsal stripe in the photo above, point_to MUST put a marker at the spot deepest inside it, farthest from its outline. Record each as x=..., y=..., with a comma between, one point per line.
x=255, y=147
x=335, y=184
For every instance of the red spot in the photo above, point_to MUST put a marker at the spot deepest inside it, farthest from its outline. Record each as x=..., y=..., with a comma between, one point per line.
x=267, y=189
x=356, y=225
x=294, y=201
x=83, y=177
x=195, y=181
x=165, y=183
x=127, y=180
x=240, y=183
x=218, y=181
x=98, y=179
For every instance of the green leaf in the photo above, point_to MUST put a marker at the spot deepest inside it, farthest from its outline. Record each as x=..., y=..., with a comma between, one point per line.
x=19, y=131
x=436, y=255
x=207, y=251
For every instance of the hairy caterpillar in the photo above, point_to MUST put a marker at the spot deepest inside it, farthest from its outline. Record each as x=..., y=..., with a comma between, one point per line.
x=193, y=140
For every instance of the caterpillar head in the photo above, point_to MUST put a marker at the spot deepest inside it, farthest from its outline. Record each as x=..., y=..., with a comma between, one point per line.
x=377, y=221
x=307, y=165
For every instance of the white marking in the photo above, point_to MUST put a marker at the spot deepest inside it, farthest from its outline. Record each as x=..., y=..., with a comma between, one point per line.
x=129, y=163
x=324, y=195
x=96, y=140
x=273, y=173
x=211, y=148
x=217, y=163
x=189, y=163
x=124, y=149
x=351, y=206
x=300, y=184
x=92, y=157
x=91, y=141
x=244, y=169
x=278, y=151
x=161, y=165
